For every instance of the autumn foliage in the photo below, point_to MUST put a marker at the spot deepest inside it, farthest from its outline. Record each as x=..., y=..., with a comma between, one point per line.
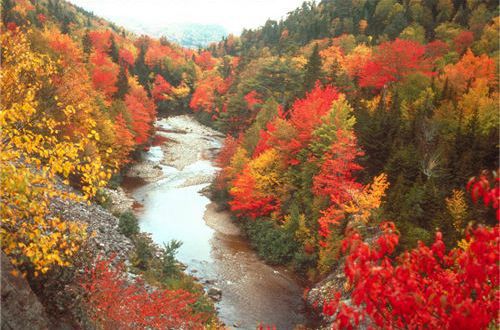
x=424, y=286
x=393, y=61
x=117, y=303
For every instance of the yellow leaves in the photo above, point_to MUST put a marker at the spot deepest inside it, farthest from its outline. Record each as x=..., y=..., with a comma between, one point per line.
x=181, y=91
x=365, y=202
x=267, y=171
x=457, y=208
x=94, y=135
x=464, y=244
x=38, y=145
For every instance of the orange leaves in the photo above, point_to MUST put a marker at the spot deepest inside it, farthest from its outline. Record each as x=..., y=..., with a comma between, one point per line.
x=100, y=40
x=248, y=201
x=142, y=110
x=126, y=56
x=64, y=46
x=205, y=60
x=258, y=190
x=204, y=95
x=157, y=52
x=161, y=89
x=126, y=138
x=470, y=71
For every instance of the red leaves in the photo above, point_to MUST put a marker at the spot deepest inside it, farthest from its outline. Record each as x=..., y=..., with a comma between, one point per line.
x=486, y=188
x=291, y=136
x=335, y=179
x=116, y=303
x=392, y=62
x=463, y=41
x=248, y=201
x=252, y=99
x=423, y=287
x=204, y=94
x=205, y=60
x=143, y=113
x=100, y=40
x=306, y=113
x=126, y=57
x=161, y=89
x=41, y=18
x=104, y=73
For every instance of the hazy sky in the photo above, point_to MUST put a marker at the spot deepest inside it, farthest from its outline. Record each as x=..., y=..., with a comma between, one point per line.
x=234, y=15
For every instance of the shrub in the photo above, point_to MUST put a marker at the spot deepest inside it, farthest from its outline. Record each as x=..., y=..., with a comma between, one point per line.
x=143, y=252
x=128, y=224
x=273, y=244
x=169, y=266
x=115, y=303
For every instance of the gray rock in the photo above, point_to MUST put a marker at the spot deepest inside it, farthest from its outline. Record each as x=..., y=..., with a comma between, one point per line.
x=21, y=308
x=214, y=293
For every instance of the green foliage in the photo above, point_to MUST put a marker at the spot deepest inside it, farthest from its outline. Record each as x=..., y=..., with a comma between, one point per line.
x=122, y=83
x=169, y=264
x=128, y=224
x=144, y=251
x=312, y=69
x=273, y=244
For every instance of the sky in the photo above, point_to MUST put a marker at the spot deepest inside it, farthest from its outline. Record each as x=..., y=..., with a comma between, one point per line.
x=234, y=15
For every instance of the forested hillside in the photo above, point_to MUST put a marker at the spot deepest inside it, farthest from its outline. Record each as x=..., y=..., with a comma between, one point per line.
x=349, y=114
x=79, y=99
x=362, y=139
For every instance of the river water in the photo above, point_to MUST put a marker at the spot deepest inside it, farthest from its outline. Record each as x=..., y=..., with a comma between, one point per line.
x=212, y=249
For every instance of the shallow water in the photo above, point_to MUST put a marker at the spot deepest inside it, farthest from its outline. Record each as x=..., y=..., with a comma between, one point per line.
x=213, y=250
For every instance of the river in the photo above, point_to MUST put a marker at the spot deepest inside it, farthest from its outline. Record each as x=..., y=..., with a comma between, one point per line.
x=213, y=249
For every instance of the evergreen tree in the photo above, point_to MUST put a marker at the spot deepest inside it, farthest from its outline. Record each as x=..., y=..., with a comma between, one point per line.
x=122, y=83
x=113, y=50
x=312, y=69
x=86, y=43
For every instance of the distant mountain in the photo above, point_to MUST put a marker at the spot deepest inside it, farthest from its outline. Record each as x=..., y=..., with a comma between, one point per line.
x=189, y=35
x=194, y=35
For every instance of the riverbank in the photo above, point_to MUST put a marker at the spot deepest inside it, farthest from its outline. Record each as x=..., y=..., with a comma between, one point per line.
x=249, y=292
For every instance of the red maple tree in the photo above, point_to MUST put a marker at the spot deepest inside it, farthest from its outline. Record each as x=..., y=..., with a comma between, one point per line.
x=393, y=61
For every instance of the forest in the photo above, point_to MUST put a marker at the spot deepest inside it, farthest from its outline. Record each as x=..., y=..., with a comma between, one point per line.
x=361, y=139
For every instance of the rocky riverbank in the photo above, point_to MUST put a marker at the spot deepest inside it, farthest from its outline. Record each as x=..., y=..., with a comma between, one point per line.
x=186, y=142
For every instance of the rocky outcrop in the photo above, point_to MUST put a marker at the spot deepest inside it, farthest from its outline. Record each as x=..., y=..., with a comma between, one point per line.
x=102, y=227
x=336, y=282
x=119, y=202
x=21, y=308
x=323, y=291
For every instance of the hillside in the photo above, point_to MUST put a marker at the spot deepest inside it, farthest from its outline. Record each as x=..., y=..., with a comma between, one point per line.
x=80, y=96
x=361, y=154
x=355, y=122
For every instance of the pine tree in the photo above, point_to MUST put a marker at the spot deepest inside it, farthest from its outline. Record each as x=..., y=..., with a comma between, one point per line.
x=86, y=43
x=312, y=69
x=113, y=50
x=122, y=83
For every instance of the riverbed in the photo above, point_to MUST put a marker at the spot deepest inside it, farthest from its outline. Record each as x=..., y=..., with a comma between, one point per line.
x=170, y=206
